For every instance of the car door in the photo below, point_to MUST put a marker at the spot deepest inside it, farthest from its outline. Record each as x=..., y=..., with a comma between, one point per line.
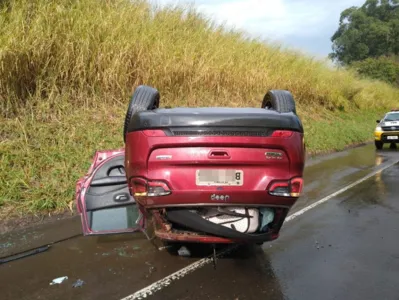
x=103, y=199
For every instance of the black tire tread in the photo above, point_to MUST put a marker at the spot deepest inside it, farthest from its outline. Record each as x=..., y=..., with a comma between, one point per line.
x=144, y=98
x=379, y=145
x=280, y=100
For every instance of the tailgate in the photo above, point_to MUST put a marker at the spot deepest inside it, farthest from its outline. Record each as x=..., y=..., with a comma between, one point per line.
x=204, y=168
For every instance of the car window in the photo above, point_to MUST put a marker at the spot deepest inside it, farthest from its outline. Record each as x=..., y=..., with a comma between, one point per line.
x=391, y=117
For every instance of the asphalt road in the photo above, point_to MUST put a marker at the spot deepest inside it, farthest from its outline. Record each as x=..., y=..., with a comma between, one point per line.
x=344, y=248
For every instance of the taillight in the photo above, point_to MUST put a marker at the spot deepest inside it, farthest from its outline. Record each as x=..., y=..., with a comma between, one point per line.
x=282, y=133
x=154, y=132
x=280, y=188
x=296, y=187
x=157, y=188
x=288, y=188
x=138, y=186
x=148, y=188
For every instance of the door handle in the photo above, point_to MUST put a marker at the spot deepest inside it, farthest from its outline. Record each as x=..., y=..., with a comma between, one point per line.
x=219, y=154
x=121, y=197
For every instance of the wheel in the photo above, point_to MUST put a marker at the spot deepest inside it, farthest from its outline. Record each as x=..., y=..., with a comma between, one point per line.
x=281, y=101
x=144, y=98
x=378, y=144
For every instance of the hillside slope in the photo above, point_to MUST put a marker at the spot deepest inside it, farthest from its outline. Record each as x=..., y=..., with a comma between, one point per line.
x=68, y=67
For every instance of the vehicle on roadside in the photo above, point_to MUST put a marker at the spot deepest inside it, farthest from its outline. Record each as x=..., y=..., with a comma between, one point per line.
x=387, y=130
x=203, y=175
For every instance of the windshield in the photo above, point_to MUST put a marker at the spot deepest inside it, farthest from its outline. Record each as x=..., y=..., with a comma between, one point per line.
x=391, y=117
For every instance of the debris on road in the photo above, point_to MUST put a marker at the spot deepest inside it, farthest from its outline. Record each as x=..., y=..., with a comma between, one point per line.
x=183, y=251
x=151, y=270
x=78, y=283
x=5, y=245
x=123, y=251
x=164, y=247
x=59, y=280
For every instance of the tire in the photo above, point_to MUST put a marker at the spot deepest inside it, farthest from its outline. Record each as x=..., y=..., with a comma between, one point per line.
x=281, y=101
x=144, y=98
x=378, y=144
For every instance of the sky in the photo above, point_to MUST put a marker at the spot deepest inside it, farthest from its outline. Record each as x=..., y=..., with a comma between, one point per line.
x=305, y=25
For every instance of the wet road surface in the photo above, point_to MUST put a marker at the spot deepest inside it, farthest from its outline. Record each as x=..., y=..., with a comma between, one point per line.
x=346, y=248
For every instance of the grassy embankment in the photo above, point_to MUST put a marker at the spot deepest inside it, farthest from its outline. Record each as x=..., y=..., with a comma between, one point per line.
x=67, y=69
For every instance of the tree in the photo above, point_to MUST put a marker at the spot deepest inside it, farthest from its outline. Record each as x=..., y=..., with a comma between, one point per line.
x=371, y=30
x=382, y=68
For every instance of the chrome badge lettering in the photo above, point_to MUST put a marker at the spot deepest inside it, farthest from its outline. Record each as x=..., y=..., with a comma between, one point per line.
x=163, y=157
x=215, y=197
x=274, y=155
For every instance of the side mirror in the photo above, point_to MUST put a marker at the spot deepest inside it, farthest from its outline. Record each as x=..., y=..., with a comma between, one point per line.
x=378, y=121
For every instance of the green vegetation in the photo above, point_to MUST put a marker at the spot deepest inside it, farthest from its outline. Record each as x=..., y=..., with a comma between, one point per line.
x=367, y=40
x=68, y=68
x=382, y=68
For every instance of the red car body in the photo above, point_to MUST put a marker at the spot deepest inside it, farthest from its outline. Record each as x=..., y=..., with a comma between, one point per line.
x=258, y=155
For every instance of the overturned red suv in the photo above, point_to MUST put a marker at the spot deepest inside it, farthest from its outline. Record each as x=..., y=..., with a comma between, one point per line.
x=205, y=175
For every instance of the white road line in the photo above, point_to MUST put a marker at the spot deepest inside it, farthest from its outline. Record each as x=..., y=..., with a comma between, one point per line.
x=325, y=199
x=162, y=283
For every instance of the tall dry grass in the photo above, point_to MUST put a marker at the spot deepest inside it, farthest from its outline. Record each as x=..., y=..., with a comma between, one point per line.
x=100, y=50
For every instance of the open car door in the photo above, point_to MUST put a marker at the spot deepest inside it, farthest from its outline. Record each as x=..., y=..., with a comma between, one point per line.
x=103, y=199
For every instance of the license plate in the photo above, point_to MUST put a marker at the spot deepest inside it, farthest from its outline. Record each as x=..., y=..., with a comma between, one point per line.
x=392, y=137
x=220, y=177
